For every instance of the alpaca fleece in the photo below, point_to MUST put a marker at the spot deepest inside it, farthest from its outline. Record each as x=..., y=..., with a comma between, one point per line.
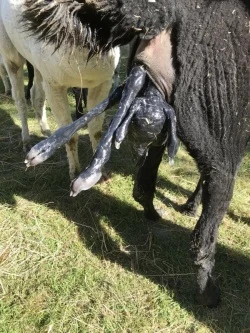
x=99, y=25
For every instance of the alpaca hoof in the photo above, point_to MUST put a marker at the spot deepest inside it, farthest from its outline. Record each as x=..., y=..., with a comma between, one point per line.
x=210, y=297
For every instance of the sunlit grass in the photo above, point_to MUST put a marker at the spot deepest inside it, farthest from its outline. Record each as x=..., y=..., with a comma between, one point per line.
x=90, y=263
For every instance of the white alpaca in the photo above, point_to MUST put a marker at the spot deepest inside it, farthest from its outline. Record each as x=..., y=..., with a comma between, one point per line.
x=4, y=77
x=55, y=72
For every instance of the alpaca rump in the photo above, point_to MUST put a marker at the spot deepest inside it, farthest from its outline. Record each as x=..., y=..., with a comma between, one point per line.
x=211, y=51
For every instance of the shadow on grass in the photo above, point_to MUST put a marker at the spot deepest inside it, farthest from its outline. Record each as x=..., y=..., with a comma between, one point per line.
x=237, y=218
x=159, y=252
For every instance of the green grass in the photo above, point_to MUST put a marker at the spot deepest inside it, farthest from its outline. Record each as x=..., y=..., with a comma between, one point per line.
x=90, y=264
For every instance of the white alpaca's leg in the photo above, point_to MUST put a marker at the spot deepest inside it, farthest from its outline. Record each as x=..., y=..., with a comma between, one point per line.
x=58, y=101
x=4, y=77
x=15, y=71
x=95, y=96
x=38, y=102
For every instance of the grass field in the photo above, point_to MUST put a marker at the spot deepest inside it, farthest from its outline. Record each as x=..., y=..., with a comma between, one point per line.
x=90, y=263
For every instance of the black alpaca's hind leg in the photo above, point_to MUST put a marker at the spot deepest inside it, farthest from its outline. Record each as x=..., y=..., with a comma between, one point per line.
x=85, y=96
x=193, y=202
x=145, y=181
x=216, y=196
x=30, y=69
x=78, y=101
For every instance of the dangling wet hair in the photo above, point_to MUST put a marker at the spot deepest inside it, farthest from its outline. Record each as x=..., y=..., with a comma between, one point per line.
x=96, y=24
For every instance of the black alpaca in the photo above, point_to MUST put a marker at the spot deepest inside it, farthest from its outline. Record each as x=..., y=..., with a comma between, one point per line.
x=210, y=47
